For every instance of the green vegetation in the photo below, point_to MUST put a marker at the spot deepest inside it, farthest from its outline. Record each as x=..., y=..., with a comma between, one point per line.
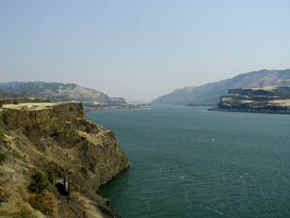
x=5, y=118
x=51, y=177
x=3, y=196
x=39, y=182
x=2, y=157
x=45, y=202
x=43, y=198
x=24, y=213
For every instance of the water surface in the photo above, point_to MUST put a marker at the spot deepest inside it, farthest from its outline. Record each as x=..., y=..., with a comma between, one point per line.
x=189, y=162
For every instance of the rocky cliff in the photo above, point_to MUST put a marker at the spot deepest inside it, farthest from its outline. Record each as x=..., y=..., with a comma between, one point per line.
x=53, y=160
x=267, y=100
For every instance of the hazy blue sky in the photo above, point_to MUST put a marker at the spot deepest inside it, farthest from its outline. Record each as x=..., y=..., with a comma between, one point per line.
x=140, y=49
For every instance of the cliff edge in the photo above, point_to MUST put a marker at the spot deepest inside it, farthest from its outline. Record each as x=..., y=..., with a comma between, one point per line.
x=53, y=160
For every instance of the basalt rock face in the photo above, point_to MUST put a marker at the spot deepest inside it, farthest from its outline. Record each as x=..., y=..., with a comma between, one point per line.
x=69, y=155
x=265, y=100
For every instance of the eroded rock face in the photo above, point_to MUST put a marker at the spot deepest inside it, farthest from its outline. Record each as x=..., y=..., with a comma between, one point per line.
x=265, y=100
x=56, y=139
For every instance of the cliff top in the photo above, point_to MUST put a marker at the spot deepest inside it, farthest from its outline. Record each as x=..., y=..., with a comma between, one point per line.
x=281, y=102
x=35, y=106
x=267, y=88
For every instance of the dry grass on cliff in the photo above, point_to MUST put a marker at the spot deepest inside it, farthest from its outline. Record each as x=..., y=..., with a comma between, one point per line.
x=29, y=106
x=281, y=102
x=62, y=145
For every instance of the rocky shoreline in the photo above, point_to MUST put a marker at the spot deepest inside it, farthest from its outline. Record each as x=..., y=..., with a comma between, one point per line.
x=267, y=111
x=92, y=107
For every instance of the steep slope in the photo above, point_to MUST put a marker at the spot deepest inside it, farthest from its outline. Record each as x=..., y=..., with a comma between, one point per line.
x=53, y=160
x=57, y=92
x=211, y=92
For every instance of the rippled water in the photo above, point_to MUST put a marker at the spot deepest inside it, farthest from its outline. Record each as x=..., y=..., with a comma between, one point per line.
x=189, y=162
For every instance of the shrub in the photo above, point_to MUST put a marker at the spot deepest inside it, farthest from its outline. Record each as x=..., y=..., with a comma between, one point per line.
x=2, y=158
x=45, y=202
x=4, y=196
x=51, y=177
x=39, y=182
x=43, y=197
x=5, y=118
x=24, y=213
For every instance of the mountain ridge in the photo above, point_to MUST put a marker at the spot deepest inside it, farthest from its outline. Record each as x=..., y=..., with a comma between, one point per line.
x=209, y=93
x=56, y=91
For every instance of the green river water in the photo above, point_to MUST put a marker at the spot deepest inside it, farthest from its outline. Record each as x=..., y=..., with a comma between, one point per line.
x=188, y=162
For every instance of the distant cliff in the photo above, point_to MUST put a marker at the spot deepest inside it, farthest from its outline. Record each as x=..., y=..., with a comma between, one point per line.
x=266, y=100
x=58, y=92
x=210, y=93
x=53, y=160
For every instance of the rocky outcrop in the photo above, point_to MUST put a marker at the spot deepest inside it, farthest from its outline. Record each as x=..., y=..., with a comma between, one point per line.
x=265, y=100
x=53, y=160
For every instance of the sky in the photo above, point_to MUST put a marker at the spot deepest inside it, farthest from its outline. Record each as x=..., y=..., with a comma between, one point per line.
x=141, y=49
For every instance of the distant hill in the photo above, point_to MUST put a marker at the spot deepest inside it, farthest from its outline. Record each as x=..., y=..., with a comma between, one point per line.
x=210, y=93
x=58, y=92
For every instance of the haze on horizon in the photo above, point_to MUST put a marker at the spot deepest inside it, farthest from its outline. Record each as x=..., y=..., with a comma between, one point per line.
x=141, y=49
